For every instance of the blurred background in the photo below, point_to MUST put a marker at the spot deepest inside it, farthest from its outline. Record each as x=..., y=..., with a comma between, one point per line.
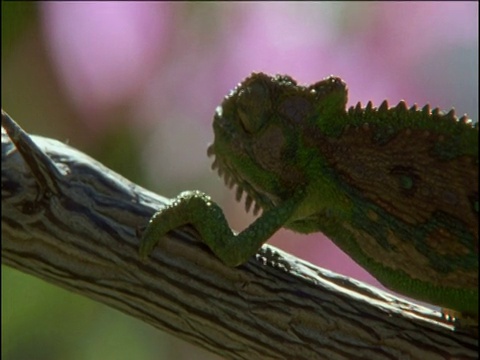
x=135, y=85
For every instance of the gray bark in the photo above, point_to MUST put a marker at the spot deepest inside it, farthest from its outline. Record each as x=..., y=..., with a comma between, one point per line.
x=71, y=221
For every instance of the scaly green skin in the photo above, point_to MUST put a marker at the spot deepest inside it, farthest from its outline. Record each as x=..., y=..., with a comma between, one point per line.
x=395, y=188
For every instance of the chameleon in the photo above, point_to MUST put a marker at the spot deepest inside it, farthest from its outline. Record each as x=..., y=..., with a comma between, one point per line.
x=396, y=188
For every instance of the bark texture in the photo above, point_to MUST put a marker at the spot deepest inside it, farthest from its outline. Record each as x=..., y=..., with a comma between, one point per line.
x=71, y=221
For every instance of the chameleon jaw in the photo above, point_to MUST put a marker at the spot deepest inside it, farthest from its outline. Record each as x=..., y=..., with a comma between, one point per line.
x=231, y=180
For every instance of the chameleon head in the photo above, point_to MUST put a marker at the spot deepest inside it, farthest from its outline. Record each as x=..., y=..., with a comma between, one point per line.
x=258, y=134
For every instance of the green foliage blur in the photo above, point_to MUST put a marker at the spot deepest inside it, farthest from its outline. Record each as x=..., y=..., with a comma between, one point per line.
x=16, y=18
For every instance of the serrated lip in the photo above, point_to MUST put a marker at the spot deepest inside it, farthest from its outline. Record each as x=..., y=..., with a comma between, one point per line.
x=231, y=180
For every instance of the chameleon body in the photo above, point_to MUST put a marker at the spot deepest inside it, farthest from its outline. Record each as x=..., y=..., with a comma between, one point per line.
x=396, y=188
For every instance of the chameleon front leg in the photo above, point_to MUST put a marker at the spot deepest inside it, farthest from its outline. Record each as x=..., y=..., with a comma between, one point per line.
x=197, y=209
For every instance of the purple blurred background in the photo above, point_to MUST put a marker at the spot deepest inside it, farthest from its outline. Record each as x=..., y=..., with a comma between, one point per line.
x=159, y=70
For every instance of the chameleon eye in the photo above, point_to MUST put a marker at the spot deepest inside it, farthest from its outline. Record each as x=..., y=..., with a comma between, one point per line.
x=253, y=106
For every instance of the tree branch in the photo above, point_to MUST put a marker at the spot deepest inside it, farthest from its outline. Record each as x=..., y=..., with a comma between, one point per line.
x=71, y=221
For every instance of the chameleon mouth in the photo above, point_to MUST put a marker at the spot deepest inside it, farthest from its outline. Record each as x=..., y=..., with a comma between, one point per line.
x=231, y=179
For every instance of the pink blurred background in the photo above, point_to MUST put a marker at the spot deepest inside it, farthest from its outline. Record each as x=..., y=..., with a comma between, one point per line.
x=142, y=80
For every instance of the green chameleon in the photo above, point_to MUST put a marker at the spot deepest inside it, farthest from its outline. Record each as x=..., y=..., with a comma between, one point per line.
x=395, y=188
